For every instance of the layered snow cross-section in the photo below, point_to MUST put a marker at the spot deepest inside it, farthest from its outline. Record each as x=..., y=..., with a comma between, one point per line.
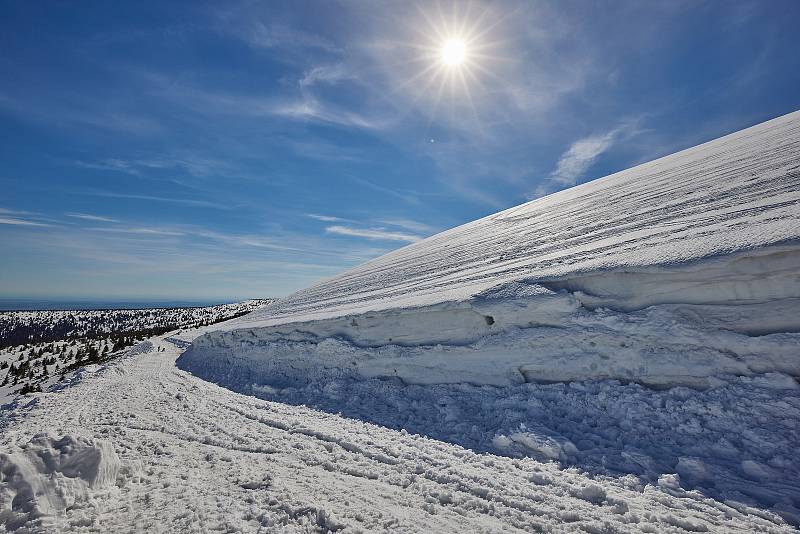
x=681, y=271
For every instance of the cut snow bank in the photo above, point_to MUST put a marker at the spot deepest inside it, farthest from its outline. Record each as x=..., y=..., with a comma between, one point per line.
x=498, y=339
x=533, y=331
x=681, y=271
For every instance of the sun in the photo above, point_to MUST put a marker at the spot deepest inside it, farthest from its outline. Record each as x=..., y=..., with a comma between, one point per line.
x=453, y=52
x=447, y=53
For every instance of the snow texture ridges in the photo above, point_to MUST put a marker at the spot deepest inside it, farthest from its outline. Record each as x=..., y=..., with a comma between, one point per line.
x=646, y=323
x=735, y=194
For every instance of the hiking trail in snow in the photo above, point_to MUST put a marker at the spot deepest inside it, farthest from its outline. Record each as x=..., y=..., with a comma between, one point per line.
x=149, y=447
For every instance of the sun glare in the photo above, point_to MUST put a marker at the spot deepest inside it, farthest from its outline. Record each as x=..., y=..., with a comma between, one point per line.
x=450, y=55
x=454, y=52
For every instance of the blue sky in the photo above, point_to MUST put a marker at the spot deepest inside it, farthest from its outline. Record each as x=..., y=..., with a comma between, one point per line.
x=246, y=149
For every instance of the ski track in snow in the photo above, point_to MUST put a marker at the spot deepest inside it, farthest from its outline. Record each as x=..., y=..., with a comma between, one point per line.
x=153, y=448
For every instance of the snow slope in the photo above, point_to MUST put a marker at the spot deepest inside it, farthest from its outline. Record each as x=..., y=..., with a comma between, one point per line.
x=647, y=323
x=141, y=446
x=525, y=372
x=733, y=197
x=681, y=271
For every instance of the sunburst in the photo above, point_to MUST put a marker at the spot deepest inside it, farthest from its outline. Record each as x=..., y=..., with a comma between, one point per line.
x=453, y=54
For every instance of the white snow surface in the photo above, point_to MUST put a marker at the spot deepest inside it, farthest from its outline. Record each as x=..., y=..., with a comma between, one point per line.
x=619, y=357
x=645, y=324
x=140, y=446
x=664, y=221
x=49, y=474
x=681, y=271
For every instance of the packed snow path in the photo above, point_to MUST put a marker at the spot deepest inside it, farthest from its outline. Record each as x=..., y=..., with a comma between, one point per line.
x=140, y=445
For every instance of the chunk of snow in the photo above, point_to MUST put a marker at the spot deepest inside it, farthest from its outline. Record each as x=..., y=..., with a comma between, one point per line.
x=49, y=474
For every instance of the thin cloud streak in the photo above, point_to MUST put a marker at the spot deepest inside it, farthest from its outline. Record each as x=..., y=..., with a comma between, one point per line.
x=11, y=217
x=326, y=218
x=259, y=35
x=194, y=166
x=329, y=74
x=376, y=233
x=407, y=197
x=141, y=231
x=93, y=218
x=6, y=211
x=311, y=109
x=582, y=154
x=13, y=221
x=408, y=224
x=184, y=201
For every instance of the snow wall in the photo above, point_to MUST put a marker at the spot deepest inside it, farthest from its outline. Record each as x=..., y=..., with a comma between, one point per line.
x=681, y=271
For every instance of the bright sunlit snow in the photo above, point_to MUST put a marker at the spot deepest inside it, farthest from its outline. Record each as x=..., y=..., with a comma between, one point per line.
x=535, y=370
x=674, y=284
x=238, y=291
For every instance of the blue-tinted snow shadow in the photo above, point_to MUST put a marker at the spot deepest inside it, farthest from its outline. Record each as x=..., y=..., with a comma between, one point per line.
x=732, y=443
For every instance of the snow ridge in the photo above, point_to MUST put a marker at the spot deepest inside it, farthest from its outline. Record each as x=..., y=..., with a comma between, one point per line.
x=662, y=274
x=735, y=194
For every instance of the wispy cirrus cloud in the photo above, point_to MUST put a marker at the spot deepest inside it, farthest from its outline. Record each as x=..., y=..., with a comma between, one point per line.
x=268, y=36
x=141, y=231
x=408, y=224
x=110, y=164
x=14, y=221
x=283, y=244
x=329, y=74
x=90, y=217
x=581, y=155
x=300, y=103
x=7, y=211
x=57, y=113
x=366, y=229
x=93, y=260
x=326, y=218
x=372, y=233
x=311, y=109
x=169, y=200
x=407, y=196
x=20, y=218
x=192, y=164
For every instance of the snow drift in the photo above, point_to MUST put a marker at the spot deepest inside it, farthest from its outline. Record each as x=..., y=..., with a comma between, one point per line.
x=569, y=328
x=680, y=271
x=50, y=474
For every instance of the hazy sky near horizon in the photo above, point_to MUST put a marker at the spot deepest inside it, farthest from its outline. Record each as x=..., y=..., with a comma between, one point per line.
x=247, y=149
